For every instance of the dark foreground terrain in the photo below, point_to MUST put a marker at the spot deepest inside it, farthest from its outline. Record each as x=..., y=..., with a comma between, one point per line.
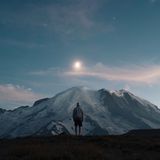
x=81, y=148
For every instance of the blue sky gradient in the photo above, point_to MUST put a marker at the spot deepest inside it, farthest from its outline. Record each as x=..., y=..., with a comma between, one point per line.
x=41, y=39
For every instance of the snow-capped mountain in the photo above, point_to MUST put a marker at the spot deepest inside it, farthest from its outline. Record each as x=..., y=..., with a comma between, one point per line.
x=106, y=112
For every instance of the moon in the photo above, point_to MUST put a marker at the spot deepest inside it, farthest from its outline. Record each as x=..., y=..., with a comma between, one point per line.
x=77, y=65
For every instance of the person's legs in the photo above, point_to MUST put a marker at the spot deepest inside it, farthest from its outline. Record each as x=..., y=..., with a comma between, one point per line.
x=75, y=130
x=79, y=130
x=80, y=126
x=75, y=124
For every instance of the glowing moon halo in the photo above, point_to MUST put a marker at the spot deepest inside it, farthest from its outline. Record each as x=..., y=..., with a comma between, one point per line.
x=77, y=65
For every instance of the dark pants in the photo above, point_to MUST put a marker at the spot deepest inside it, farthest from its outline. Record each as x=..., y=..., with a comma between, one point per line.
x=78, y=122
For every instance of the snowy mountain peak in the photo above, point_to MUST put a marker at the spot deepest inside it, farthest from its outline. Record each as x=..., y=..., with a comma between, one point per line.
x=121, y=92
x=103, y=90
x=79, y=88
x=105, y=112
x=40, y=101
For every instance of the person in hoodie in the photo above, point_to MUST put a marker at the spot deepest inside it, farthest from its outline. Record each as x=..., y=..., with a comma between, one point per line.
x=78, y=118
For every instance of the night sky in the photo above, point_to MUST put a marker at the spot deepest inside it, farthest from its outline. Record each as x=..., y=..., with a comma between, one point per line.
x=116, y=42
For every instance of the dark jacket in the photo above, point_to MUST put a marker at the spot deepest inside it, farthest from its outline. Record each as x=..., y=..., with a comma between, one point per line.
x=77, y=114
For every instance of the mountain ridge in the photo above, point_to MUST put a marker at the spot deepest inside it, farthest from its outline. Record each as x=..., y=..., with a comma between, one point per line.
x=106, y=112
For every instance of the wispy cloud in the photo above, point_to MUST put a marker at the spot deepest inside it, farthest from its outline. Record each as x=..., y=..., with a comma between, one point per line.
x=65, y=18
x=132, y=74
x=153, y=1
x=77, y=18
x=45, y=72
x=142, y=74
x=14, y=42
x=15, y=94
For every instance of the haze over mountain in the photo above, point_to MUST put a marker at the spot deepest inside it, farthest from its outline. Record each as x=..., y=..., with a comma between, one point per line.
x=106, y=112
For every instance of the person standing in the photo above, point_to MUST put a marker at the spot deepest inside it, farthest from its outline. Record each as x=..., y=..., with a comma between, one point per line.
x=78, y=118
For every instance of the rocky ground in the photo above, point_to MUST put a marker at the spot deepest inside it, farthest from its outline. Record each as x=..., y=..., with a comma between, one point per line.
x=81, y=148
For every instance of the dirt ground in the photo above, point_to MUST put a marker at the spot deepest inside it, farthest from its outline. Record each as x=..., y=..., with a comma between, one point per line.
x=81, y=148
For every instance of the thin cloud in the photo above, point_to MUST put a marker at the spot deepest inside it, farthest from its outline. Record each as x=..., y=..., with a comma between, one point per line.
x=67, y=18
x=127, y=87
x=147, y=74
x=47, y=72
x=136, y=74
x=14, y=42
x=15, y=94
x=153, y=1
